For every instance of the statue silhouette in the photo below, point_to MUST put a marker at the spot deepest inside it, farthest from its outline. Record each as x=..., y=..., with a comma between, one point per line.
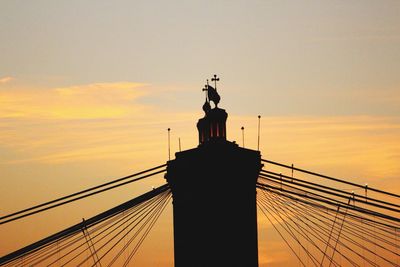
x=213, y=95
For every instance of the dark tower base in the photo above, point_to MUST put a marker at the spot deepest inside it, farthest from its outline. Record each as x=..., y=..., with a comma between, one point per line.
x=214, y=203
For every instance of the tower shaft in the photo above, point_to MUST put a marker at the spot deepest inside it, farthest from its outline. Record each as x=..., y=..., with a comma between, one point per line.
x=214, y=205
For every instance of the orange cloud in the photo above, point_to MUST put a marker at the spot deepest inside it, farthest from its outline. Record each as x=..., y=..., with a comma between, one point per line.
x=6, y=79
x=45, y=125
x=92, y=101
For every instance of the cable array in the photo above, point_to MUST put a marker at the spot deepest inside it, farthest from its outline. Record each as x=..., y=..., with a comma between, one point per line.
x=330, y=226
x=121, y=230
x=321, y=223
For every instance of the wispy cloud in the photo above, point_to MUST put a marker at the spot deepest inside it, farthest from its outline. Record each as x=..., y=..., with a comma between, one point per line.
x=6, y=79
x=91, y=101
x=84, y=123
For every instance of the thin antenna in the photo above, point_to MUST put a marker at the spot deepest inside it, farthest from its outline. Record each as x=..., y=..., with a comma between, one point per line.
x=179, y=144
x=242, y=135
x=258, y=140
x=169, y=144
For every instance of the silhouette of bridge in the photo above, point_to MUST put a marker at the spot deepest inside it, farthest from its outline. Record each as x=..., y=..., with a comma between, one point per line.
x=219, y=190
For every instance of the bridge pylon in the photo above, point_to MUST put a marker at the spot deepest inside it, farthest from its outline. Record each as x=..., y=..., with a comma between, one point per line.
x=214, y=198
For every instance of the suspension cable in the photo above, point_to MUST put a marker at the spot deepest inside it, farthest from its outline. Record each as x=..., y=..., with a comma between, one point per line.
x=330, y=178
x=82, y=192
x=56, y=202
x=77, y=228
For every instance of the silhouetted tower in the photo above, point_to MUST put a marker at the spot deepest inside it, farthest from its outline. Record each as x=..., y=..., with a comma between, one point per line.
x=214, y=196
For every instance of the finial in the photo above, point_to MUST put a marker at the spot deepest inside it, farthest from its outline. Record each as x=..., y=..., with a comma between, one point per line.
x=169, y=144
x=242, y=135
x=258, y=136
x=205, y=89
x=215, y=80
x=212, y=92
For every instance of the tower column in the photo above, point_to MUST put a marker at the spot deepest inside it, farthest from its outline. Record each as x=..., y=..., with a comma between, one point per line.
x=214, y=205
x=214, y=196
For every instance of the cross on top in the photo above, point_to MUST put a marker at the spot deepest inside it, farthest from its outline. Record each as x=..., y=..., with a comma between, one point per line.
x=215, y=80
x=206, y=89
x=206, y=86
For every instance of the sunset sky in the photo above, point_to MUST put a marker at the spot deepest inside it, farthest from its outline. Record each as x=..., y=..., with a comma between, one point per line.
x=88, y=89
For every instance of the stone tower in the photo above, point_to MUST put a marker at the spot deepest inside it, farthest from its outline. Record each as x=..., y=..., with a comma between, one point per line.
x=214, y=197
